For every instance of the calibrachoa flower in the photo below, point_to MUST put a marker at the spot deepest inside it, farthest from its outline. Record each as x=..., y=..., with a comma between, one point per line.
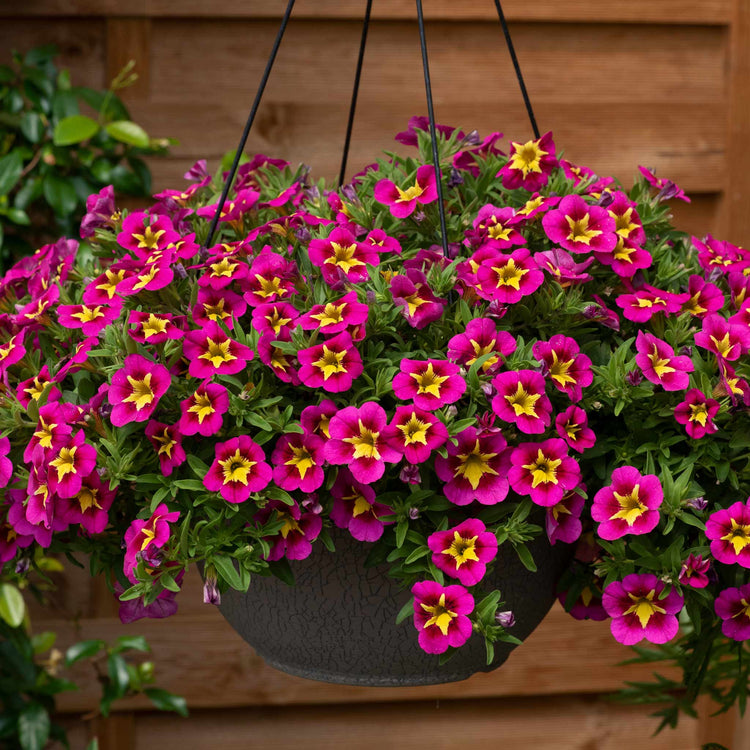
x=562, y=266
x=417, y=433
x=136, y=389
x=481, y=337
x=91, y=320
x=694, y=571
x=521, y=400
x=335, y=316
x=588, y=606
x=272, y=317
x=270, y=278
x=146, y=536
x=508, y=278
x=733, y=607
x=212, y=352
x=68, y=465
x=697, y=412
x=643, y=304
x=579, y=227
x=355, y=508
x=704, y=297
x=659, y=363
x=6, y=465
x=203, y=412
x=495, y=228
x=573, y=427
x=283, y=365
x=167, y=442
x=299, y=530
x=630, y=505
x=12, y=351
x=463, y=551
x=341, y=253
x=238, y=469
x=220, y=305
x=298, y=462
x=412, y=293
x=332, y=365
x=144, y=234
x=568, y=369
x=360, y=438
x=429, y=384
x=476, y=468
x=154, y=328
x=638, y=609
x=563, y=520
x=722, y=338
x=89, y=506
x=529, y=164
x=728, y=530
x=403, y=202
x=316, y=419
x=440, y=615
x=544, y=471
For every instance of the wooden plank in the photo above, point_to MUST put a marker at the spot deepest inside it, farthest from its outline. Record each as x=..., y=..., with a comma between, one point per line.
x=115, y=732
x=714, y=12
x=570, y=723
x=130, y=39
x=80, y=42
x=192, y=652
x=738, y=170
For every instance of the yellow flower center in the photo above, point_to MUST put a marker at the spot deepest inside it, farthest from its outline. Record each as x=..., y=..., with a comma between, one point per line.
x=277, y=321
x=331, y=314
x=699, y=414
x=527, y=157
x=723, y=346
x=631, y=507
x=474, y=465
x=113, y=278
x=404, y=196
x=88, y=498
x=202, y=406
x=149, y=240
x=624, y=224
x=498, y=231
x=644, y=607
x=543, y=469
x=365, y=444
x=166, y=443
x=659, y=365
x=217, y=352
x=523, y=402
x=88, y=314
x=330, y=362
x=343, y=257
x=217, y=311
x=361, y=505
x=428, y=381
x=441, y=615
x=579, y=230
x=141, y=394
x=738, y=536
x=462, y=549
x=414, y=431
x=269, y=287
x=509, y=275
x=289, y=526
x=302, y=460
x=153, y=326
x=44, y=433
x=65, y=462
x=559, y=370
x=224, y=267
x=236, y=468
x=413, y=301
x=480, y=351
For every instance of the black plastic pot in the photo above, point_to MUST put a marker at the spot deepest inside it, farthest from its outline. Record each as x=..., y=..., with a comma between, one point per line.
x=337, y=624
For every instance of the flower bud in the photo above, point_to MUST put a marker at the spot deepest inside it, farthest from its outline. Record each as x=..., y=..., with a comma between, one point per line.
x=410, y=474
x=303, y=235
x=634, y=377
x=413, y=513
x=451, y=411
x=686, y=351
x=455, y=179
x=506, y=618
x=179, y=271
x=697, y=503
x=211, y=593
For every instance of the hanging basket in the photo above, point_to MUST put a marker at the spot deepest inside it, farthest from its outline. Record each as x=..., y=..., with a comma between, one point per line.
x=338, y=622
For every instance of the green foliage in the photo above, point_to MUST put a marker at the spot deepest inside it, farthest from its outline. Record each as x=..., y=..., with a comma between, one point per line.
x=60, y=143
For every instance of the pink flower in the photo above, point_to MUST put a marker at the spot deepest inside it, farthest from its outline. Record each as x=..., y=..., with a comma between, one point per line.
x=238, y=469
x=167, y=442
x=630, y=505
x=33, y=388
x=572, y=427
x=529, y=164
x=508, y=278
x=146, y=536
x=726, y=340
x=733, y=607
x=694, y=571
x=430, y=384
x=481, y=337
x=659, y=364
x=155, y=328
x=148, y=278
x=495, y=228
x=332, y=365
x=202, y=412
x=316, y=419
x=638, y=609
x=355, y=508
x=360, y=438
x=463, y=551
x=53, y=429
x=219, y=305
x=704, y=297
x=382, y=242
x=91, y=320
x=402, y=203
x=136, y=389
x=731, y=385
x=469, y=158
x=272, y=317
x=563, y=521
x=716, y=254
x=440, y=615
x=145, y=235
x=697, y=412
x=580, y=227
x=100, y=210
x=212, y=352
x=569, y=370
x=476, y=468
x=521, y=400
x=544, y=471
x=416, y=433
x=89, y=506
x=69, y=464
x=667, y=188
x=625, y=258
x=642, y=305
x=562, y=267
x=728, y=530
x=12, y=351
x=336, y=316
x=103, y=289
x=298, y=462
x=270, y=278
x=412, y=293
x=299, y=530
x=341, y=254
x=283, y=365
x=6, y=465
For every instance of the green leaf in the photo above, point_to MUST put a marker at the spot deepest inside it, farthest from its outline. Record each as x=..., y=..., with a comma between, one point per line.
x=238, y=580
x=17, y=216
x=93, y=745
x=43, y=642
x=166, y=701
x=74, y=129
x=12, y=607
x=31, y=126
x=117, y=669
x=405, y=611
x=133, y=642
x=33, y=727
x=11, y=167
x=60, y=194
x=128, y=132
x=83, y=650
x=526, y=558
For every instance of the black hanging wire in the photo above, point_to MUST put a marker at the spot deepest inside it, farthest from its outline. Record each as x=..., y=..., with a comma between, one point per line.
x=355, y=92
x=433, y=134
x=249, y=123
x=519, y=75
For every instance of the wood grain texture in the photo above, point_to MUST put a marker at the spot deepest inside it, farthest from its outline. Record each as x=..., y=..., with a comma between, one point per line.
x=129, y=39
x=715, y=12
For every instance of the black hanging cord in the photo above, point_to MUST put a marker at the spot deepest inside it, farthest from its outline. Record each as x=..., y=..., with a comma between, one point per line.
x=353, y=106
x=249, y=123
x=433, y=134
x=519, y=75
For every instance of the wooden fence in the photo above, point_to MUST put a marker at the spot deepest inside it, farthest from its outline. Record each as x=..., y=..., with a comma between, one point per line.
x=665, y=84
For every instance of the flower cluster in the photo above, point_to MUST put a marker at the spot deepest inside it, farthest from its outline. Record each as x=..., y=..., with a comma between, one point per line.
x=569, y=365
